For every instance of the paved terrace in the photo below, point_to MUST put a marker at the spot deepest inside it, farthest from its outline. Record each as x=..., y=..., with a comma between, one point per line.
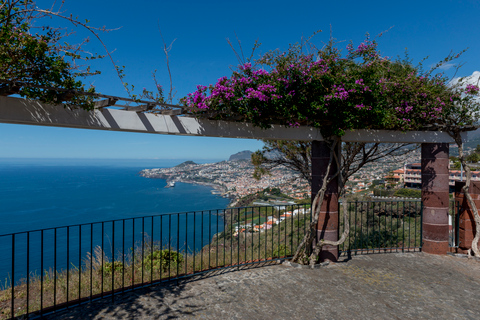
x=375, y=286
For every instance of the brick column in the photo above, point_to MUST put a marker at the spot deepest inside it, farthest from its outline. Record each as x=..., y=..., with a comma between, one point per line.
x=327, y=227
x=435, y=192
x=466, y=230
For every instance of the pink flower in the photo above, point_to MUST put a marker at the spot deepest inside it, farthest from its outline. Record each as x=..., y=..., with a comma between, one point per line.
x=472, y=89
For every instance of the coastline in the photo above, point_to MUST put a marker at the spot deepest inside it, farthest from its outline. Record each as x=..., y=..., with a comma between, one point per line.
x=214, y=186
x=222, y=190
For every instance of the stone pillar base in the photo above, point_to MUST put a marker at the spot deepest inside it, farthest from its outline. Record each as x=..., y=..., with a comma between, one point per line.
x=434, y=247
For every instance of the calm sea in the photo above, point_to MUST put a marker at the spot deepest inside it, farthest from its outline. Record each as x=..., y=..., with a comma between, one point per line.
x=45, y=193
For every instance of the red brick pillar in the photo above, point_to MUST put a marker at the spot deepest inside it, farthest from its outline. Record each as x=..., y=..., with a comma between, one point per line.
x=466, y=231
x=435, y=192
x=327, y=227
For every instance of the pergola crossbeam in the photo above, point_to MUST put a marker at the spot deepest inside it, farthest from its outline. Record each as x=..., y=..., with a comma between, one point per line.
x=21, y=111
x=7, y=89
x=105, y=103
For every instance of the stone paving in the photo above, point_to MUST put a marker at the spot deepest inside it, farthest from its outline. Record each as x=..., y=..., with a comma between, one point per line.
x=375, y=286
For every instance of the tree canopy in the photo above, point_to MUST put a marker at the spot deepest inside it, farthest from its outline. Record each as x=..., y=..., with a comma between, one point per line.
x=35, y=57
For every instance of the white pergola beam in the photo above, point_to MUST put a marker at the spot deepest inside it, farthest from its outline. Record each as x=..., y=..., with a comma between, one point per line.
x=21, y=111
x=399, y=137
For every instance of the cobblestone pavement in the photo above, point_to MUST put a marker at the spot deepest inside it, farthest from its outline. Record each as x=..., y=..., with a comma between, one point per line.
x=376, y=286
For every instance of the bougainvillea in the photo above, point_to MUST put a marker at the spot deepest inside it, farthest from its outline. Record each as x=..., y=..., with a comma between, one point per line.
x=324, y=89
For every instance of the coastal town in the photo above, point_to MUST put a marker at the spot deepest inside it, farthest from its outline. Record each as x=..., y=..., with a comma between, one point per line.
x=234, y=178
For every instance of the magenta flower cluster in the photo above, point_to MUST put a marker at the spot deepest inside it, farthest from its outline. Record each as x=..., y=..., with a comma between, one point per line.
x=250, y=85
x=472, y=89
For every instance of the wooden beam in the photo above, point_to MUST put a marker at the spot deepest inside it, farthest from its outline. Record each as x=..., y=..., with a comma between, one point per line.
x=388, y=136
x=137, y=108
x=174, y=112
x=65, y=96
x=106, y=103
x=21, y=111
x=8, y=89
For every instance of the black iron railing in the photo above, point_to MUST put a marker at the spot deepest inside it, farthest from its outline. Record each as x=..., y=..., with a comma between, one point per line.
x=454, y=216
x=50, y=269
x=382, y=226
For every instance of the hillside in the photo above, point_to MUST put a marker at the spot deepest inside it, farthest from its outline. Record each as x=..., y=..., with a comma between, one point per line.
x=242, y=155
x=186, y=163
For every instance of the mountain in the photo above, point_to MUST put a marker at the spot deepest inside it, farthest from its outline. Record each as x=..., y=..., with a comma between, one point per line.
x=186, y=163
x=473, y=139
x=242, y=155
x=474, y=135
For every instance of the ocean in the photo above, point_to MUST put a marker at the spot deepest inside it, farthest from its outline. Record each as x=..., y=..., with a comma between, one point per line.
x=45, y=193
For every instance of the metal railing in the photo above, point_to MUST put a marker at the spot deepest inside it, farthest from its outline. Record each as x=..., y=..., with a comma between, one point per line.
x=380, y=226
x=51, y=269
x=454, y=212
x=56, y=268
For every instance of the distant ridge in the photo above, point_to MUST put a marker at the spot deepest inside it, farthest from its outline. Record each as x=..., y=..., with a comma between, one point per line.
x=242, y=155
x=474, y=135
x=186, y=163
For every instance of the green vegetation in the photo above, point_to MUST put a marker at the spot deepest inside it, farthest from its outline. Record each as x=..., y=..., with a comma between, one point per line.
x=117, y=266
x=186, y=163
x=408, y=193
x=202, y=179
x=382, y=192
x=265, y=195
x=401, y=193
x=473, y=157
x=38, y=54
x=273, y=191
x=282, y=250
x=163, y=260
x=307, y=200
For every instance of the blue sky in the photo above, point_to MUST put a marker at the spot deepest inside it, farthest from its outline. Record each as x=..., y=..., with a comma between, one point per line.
x=201, y=54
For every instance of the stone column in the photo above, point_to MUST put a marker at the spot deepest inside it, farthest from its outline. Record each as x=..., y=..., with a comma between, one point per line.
x=466, y=230
x=327, y=227
x=435, y=192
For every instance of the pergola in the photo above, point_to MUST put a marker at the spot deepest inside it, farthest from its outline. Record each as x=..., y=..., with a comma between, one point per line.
x=107, y=116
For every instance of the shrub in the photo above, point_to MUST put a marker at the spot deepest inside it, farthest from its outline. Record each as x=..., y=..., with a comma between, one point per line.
x=117, y=266
x=410, y=193
x=162, y=259
x=281, y=251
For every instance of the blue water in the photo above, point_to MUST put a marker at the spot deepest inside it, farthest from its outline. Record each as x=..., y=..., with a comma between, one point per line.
x=37, y=194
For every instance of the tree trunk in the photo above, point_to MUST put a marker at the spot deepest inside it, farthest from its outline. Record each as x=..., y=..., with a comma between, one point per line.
x=301, y=255
x=466, y=191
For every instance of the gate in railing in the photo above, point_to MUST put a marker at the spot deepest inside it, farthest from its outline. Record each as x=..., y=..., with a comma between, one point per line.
x=382, y=226
x=57, y=268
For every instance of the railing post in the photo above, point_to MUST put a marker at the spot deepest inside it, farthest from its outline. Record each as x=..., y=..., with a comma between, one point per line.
x=327, y=227
x=435, y=197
